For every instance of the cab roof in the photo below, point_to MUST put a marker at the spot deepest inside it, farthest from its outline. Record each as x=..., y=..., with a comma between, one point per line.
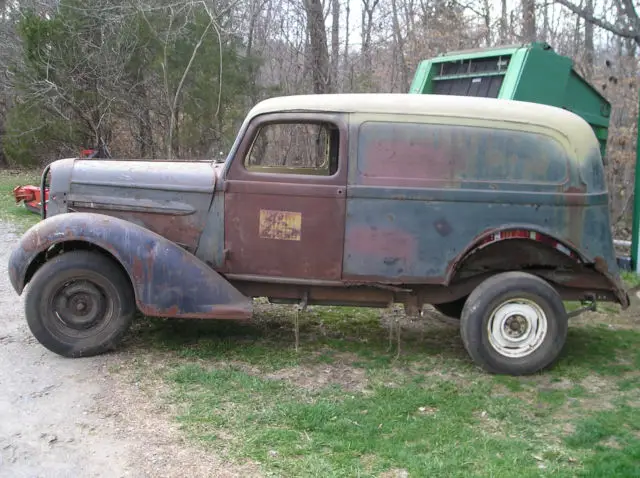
x=568, y=124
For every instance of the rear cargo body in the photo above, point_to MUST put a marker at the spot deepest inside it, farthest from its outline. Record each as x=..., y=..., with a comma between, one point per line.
x=431, y=215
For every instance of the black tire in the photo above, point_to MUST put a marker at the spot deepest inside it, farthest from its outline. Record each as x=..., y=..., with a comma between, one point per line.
x=488, y=297
x=451, y=309
x=79, y=304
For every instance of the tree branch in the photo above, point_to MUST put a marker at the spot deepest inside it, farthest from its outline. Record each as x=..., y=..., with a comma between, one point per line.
x=588, y=16
x=184, y=76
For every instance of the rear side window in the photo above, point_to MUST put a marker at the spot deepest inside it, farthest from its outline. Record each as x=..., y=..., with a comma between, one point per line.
x=452, y=153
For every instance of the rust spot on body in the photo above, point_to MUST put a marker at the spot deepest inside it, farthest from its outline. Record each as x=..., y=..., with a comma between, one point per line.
x=138, y=269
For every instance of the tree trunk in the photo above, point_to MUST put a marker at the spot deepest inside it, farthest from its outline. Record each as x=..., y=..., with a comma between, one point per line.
x=486, y=16
x=252, y=76
x=145, y=133
x=588, y=44
x=545, y=22
x=368, y=8
x=257, y=6
x=367, y=27
x=318, y=46
x=175, y=137
x=347, y=63
x=528, y=20
x=504, y=22
x=399, y=43
x=577, y=41
x=335, y=42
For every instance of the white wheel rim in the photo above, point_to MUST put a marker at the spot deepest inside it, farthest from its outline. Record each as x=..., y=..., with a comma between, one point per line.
x=517, y=328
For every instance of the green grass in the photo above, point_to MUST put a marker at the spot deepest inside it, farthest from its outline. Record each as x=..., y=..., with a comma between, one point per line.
x=347, y=404
x=630, y=278
x=9, y=210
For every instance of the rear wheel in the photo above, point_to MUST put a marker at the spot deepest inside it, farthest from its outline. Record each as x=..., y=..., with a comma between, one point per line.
x=79, y=304
x=514, y=323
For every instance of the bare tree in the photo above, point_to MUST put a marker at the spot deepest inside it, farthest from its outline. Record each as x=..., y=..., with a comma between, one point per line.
x=504, y=21
x=335, y=42
x=588, y=42
x=628, y=28
x=368, y=10
x=318, y=46
x=528, y=20
x=399, y=44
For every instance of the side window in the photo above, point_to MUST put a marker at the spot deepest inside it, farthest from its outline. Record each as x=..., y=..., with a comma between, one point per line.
x=295, y=148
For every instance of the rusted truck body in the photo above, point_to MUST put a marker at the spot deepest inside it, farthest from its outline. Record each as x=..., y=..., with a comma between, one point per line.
x=344, y=200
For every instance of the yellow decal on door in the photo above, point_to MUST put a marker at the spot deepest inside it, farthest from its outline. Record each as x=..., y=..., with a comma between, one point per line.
x=281, y=225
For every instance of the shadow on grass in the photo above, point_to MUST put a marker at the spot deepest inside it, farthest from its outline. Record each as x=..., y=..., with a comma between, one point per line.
x=601, y=350
x=268, y=341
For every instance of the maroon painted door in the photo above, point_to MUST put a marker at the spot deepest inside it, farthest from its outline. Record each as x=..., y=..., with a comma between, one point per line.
x=285, y=196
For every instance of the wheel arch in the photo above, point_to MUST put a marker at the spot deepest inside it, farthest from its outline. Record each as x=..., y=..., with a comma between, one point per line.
x=72, y=245
x=531, y=247
x=167, y=280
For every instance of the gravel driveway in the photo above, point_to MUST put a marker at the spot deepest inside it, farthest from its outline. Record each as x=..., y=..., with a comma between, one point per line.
x=48, y=423
x=72, y=418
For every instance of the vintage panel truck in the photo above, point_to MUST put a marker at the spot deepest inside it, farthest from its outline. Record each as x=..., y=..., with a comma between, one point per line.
x=495, y=211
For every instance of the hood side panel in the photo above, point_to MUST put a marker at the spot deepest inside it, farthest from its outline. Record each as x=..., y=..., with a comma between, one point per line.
x=175, y=175
x=169, y=198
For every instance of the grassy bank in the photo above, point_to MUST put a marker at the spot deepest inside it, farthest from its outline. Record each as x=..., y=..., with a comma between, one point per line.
x=349, y=403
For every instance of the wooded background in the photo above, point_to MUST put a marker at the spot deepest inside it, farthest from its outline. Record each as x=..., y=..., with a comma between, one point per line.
x=174, y=78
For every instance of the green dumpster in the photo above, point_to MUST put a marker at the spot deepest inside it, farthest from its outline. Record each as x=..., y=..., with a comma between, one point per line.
x=532, y=72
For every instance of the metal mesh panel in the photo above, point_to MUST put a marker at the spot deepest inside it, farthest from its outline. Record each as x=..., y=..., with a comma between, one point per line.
x=486, y=86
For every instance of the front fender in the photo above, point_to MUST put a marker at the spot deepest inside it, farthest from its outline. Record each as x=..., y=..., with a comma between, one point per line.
x=167, y=280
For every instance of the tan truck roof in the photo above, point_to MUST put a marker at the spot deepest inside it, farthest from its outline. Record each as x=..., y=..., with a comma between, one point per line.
x=568, y=124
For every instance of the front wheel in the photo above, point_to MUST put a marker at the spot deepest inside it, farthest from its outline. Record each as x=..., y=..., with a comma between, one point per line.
x=514, y=323
x=79, y=304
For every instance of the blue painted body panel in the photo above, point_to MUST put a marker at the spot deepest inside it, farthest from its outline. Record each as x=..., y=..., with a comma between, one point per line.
x=421, y=194
x=403, y=237
x=211, y=245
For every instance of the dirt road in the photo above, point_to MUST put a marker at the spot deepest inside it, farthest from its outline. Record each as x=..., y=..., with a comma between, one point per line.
x=63, y=418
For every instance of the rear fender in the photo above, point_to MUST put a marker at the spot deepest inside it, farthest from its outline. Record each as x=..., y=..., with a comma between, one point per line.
x=528, y=232
x=167, y=280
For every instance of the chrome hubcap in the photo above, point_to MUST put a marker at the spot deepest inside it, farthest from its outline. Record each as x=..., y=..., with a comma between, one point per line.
x=517, y=328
